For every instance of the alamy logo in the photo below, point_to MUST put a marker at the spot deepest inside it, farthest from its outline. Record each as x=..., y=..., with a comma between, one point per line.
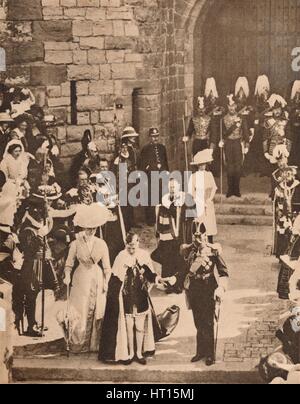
x=2, y=60
x=2, y=320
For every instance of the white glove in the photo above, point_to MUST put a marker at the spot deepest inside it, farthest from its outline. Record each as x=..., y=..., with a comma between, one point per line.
x=246, y=151
x=172, y=280
x=55, y=151
x=268, y=156
x=185, y=139
x=221, y=144
x=219, y=293
x=67, y=280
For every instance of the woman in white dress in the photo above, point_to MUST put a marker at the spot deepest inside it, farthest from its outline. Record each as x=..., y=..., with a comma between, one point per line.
x=15, y=166
x=89, y=283
x=203, y=188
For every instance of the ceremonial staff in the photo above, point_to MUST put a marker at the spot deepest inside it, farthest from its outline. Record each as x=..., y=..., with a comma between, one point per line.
x=44, y=257
x=221, y=158
x=185, y=145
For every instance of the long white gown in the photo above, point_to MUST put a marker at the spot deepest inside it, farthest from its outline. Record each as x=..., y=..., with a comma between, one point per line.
x=201, y=193
x=87, y=297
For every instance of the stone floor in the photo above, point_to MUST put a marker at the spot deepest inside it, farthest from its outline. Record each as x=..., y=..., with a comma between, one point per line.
x=250, y=315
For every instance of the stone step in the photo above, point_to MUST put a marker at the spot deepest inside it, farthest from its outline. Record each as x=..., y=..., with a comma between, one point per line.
x=246, y=199
x=246, y=210
x=244, y=220
x=90, y=370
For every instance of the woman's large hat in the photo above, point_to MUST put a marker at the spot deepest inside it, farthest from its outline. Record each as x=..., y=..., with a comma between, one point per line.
x=203, y=157
x=91, y=216
x=5, y=117
x=128, y=132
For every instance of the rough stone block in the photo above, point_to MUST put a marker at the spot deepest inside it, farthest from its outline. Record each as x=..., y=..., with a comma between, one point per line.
x=52, y=30
x=103, y=28
x=48, y=75
x=88, y=3
x=123, y=71
x=83, y=118
x=105, y=72
x=74, y=133
x=74, y=12
x=25, y=10
x=59, y=57
x=50, y=3
x=54, y=91
x=82, y=88
x=96, y=57
x=95, y=14
x=92, y=42
x=82, y=28
x=79, y=57
x=25, y=53
x=68, y=3
x=59, y=102
x=101, y=87
x=83, y=72
x=131, y=29
x=89, y=103
x=107, y=116
x=115, y=56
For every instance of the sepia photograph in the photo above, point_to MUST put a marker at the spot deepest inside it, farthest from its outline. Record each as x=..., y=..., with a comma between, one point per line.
x=150, y=194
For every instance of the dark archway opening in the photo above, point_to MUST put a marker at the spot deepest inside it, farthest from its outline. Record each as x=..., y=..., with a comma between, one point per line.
x=248, y=38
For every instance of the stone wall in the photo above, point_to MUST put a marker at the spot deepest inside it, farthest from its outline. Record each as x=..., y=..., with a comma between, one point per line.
x=112, y=49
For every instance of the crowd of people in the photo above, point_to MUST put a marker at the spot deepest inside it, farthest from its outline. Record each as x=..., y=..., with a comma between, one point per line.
x=75, y=237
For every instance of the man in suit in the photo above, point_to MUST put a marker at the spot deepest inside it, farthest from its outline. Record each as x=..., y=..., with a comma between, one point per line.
x=154, y=159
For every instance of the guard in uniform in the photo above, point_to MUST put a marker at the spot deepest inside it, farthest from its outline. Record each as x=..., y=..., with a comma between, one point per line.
x=276, y=129
x=35, y=273
x=127, y=155
x=153, y=159
x=203, y=290
x=201, y=128
x=236, y=146
x=255, y=161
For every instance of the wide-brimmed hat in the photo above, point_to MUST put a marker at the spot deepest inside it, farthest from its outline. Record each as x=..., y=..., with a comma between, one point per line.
x=203, y=157
x=91, y=216
x=129, y=132
x=5, y=228
x=5, y=117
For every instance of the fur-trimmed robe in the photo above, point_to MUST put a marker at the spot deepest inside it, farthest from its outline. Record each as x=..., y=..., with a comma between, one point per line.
x=114, y=341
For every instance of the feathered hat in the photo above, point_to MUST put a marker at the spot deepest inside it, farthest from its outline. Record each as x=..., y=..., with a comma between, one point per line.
x=276, y=101
x=242, y=84
x=201, y=104
x=295, y=89
x=262, y=85
x=211, y=88
x=91, y=216
x=231, y=100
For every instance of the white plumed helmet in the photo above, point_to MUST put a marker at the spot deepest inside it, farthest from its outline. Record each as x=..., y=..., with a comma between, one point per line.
x=211, y=88
x=262, y=84
x=242, y=83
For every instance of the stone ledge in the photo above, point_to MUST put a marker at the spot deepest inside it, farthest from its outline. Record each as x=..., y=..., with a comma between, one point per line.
x=80, y=369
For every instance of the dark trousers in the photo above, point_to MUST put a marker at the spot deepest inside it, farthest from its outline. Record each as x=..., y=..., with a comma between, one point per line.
x=202, y=302
x=199, y=145
x=234, y=165
x=150, y=210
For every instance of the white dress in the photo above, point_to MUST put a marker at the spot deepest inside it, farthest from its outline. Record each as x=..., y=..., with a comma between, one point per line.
x=201, y=186
x=87, y=297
